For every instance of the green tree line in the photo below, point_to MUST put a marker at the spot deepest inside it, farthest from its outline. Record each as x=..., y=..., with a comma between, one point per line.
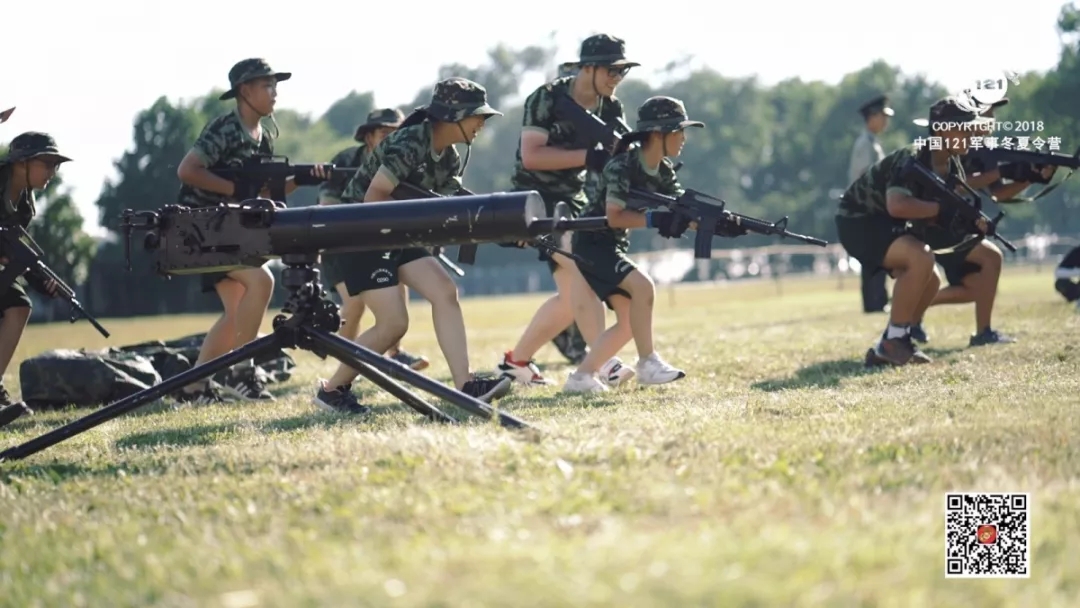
x=769, y=151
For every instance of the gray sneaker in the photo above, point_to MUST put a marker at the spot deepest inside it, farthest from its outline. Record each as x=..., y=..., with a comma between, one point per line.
x=340, y=400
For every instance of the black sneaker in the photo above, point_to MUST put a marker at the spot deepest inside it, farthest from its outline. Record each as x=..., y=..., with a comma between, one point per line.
x=339, y=400
x=990, y=336
x=244, y=383
x=13, y=411
x=487, y=389
x=919, y=334
x=5, y=398
x=209, y=394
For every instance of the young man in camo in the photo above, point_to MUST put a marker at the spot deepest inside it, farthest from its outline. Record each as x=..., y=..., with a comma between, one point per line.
x=30, y=163
x=227, y=141
x=551, y=161
x=646, y=166
x=421, y=152
x=882, y=219
x=380, y=123
x=973, y=271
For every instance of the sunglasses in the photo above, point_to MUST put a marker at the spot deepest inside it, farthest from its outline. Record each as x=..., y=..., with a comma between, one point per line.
x=620, y=72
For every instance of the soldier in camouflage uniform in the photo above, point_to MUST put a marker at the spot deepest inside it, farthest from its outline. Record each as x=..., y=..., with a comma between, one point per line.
x=225, y=142
x=31, y=161
x=551, y=161
x=613, y=277
x=973, y=271
x=421, y=152
x=881, y=221
x=379, y=124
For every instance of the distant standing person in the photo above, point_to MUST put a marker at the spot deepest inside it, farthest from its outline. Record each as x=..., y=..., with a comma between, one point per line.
x=866, y=152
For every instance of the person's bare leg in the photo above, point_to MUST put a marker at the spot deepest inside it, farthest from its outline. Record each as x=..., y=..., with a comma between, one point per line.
x=984, y=282
x=912, y=264
x=221, y=338
x=612, y=340
x=11, y=331
x=391, y=322
x=258, y=286
x=933, y=284
x=428, y=278
x=352, y=310
x=396, y=348
x=553, y=316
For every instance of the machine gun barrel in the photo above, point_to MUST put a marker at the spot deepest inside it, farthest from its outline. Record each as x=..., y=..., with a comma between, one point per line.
x=230, y=237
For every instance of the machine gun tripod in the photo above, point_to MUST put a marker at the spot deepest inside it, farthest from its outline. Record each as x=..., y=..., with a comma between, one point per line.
x=309, y=322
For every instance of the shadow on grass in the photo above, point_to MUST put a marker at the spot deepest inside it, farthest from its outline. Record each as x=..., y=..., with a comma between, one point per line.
x=203, y=434
x=828, y=374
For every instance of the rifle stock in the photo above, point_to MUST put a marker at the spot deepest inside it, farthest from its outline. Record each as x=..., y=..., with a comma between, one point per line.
x=24, y=257
x=943, y=192
x=712, y=219
x=588, y=125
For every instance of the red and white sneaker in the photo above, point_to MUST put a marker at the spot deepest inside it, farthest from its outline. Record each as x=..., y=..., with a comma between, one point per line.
x=522, y=372
x=614, y=372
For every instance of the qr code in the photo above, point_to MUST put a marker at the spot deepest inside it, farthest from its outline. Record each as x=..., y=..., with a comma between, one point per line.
x=987, y=536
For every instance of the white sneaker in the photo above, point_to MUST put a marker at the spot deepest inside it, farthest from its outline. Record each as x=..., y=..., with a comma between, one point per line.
x=613, y=373
x=523, y=373
x=654, y=370
x=583, y=383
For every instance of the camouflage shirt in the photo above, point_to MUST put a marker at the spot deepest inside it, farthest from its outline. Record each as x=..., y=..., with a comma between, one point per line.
x=565, y=184
x=622, y=173
x=406, y=155
x=19, y=211
x=223, y=143
x=352, y=156
x=866, y=196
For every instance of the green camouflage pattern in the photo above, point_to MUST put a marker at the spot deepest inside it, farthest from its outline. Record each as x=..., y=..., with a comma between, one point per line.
x=30, y=145
x=455, y=99
x=406, y=155
x=19, y=211
x=604, y=50
x=250, y=69
x=663, y=115
x=379, y=117
x=539, y=115
x=223, y=143
x=330, y=190
x=85, y=378
x=866, y=196
x=622, y=173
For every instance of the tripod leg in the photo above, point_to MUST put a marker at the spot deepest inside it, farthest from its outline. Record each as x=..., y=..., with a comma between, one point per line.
x=357, y=356
x=141, y=398
x=342, y=350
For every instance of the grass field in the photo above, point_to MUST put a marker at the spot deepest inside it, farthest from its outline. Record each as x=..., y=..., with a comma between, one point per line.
x=779, y=473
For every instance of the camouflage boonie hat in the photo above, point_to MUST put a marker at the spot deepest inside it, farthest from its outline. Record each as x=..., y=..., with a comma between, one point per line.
x=385, y=117
x=250, y=69
x=603, y=50
x=456, y=99
x=663, y=114
x=32, y=144
x=948, y=109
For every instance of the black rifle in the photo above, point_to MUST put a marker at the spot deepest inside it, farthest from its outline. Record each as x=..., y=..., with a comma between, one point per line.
x=589, y=126
x=228, y=236
x=968, y=210
x=270, y=172
x=992, y=158
x=713, y=219
x=467, y=252
x=24, y=257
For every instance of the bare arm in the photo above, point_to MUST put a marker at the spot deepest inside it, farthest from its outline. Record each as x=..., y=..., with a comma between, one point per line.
x=381, y=187
x=618, y=216
x=906, y=207
x=194, y=173
x=536, y=155
x=1007, y=191
x=983, y=179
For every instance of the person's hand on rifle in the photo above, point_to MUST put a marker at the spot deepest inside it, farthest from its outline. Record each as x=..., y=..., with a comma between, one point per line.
x=982, y=225
x=50, y=287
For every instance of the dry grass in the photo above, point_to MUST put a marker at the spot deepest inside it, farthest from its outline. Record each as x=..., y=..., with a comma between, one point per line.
x=778, y=473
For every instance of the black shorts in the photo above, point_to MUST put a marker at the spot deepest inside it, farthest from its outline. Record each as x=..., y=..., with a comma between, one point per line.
x=955, y=263
x=369, y=270
x=609, y=268
x=15, y=297
x=868, y=238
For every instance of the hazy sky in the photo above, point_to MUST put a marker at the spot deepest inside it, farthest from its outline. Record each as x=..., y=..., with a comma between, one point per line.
x=82, y=70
